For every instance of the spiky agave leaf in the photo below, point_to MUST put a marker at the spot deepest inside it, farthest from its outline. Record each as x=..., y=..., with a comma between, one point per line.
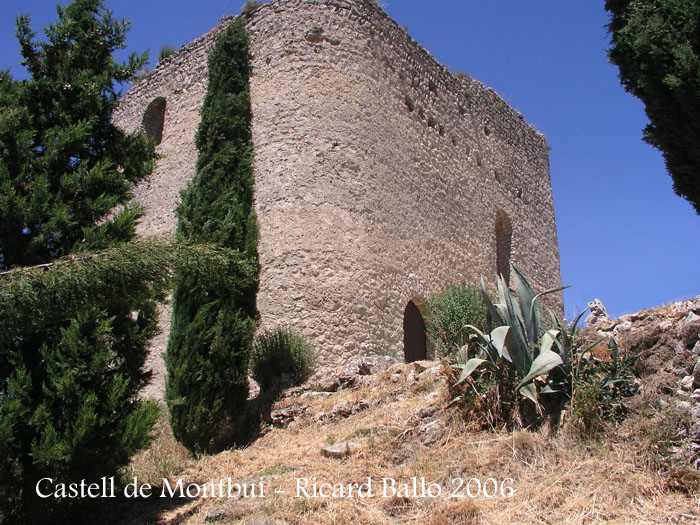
x=529, y=392
x=502, y=289
x=519, y=349
x=492, y=345
x=494, y=313
x=526, y=296
x=546, y=361
x=549, y=338
x=614, y=350
x=469, y=367
x=499, y=340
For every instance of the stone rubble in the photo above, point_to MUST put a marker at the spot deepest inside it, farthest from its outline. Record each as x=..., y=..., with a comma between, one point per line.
x=666, y=344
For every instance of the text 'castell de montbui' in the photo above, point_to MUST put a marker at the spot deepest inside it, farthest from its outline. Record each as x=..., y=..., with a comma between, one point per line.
x=107, y=488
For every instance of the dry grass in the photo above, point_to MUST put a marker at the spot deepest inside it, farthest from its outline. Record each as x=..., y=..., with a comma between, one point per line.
x=165, y=458
x=556, y=479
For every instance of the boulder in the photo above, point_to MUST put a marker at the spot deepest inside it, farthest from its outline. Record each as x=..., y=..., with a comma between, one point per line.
x=328, y=384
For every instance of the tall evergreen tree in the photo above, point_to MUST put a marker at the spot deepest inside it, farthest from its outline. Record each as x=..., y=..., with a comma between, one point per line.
x=63, y=165
x=73, y=333
x=213, y=326
x=656, y=46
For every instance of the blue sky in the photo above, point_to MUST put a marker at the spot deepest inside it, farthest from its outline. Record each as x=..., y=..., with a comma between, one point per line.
x=624, y=236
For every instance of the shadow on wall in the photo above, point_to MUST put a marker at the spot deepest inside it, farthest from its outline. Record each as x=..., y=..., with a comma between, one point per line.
x=504, y=235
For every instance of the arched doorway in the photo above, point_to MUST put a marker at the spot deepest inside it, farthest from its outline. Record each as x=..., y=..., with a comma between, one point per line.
x=414, y=341
x=504, y=235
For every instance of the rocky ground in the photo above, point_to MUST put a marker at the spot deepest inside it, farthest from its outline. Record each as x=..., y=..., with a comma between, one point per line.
x=664, y=351
x=392, y=425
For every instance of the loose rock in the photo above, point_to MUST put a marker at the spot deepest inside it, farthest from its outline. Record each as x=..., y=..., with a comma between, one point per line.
x=428, y=411
x=431, y=373
x=266, y=521
x=411, y=377
x=342, y=409
x=340, y=450
x=432, y=432
x=690, y=329
x=687, y=383
x=422, y=366
x=432, y=396
x=598, y=313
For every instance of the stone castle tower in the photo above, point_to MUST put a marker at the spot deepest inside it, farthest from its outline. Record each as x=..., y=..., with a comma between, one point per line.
x=380, y=175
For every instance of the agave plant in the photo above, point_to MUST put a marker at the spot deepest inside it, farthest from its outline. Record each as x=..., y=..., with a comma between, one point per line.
x=516, y=343
x=515, y=339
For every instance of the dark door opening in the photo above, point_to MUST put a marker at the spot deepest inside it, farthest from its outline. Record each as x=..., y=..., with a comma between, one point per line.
x=414, y=343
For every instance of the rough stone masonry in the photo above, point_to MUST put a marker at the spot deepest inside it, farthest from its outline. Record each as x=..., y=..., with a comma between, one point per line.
x=380, y=175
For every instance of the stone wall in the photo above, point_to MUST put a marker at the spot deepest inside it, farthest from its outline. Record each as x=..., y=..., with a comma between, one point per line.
x=379, y=174
x=181, y=80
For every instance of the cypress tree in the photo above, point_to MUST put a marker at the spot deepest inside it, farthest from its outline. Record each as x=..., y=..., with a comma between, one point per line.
x=213, y=326
x=656, y=46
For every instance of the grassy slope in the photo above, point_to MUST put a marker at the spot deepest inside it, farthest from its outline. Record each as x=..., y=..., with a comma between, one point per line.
x=559, y=479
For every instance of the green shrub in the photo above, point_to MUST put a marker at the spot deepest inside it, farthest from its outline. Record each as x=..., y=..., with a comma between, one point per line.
x=664, y=436
x=598, y=392
x=213, y=323
x=73, y=342
x=449, y=311
x=278, y=352
x=588, y=416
